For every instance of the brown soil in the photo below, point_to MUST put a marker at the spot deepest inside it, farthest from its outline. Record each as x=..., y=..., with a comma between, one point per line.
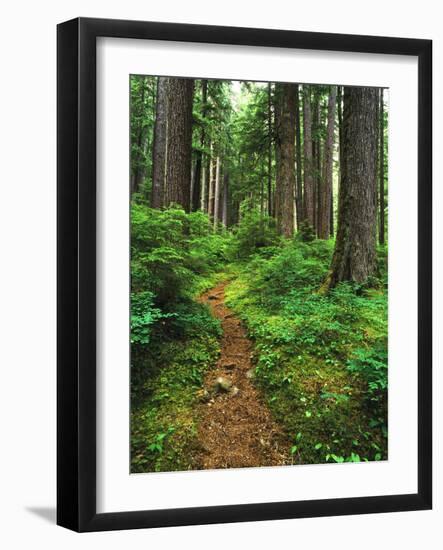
x=236, y=429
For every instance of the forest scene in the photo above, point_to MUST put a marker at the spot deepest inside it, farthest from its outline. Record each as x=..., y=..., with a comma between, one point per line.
x=259, y=284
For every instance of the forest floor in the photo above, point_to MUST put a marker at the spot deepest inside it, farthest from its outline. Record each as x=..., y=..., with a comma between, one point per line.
x=236, y=428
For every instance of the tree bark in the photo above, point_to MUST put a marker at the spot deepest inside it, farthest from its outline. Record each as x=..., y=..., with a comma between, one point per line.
x=159, y=148
x=324, y=214
x=217, y=192
x=285, y=180
x=381, y=199
x=212, y=170
x=197, y=188
x=179, y=152
x=308, y=161
x=340, y=149
x=316, y=153
x=203, y=202
x=225, y=211
x=298, y=155
x=269, y=149
x=354, y=256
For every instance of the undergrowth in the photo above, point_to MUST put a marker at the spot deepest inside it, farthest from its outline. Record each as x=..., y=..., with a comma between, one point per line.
x=174, y=339
x=321, y=359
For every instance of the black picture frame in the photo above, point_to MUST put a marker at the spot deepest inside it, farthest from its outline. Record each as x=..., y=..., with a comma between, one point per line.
x=76, y=266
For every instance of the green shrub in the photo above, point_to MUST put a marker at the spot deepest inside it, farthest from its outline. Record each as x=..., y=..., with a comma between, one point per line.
x=255, y=232
x=306, y=232
x=371, y=364
x=171, y=250
x=191, y=319
x=143, y=317
x=297, y=267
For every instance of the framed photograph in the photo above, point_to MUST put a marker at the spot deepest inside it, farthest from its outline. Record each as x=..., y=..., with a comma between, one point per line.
x=244, y=274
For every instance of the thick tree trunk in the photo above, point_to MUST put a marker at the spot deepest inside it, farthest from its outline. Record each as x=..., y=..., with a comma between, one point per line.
x=324, y=214
x=285, y=181
x=355, y=248
x=178, y=173
x=159, y=148
x=381, y=198
x=298, y=156
x=308, y=161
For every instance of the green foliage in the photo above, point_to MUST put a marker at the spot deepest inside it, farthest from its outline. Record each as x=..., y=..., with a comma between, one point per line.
x=192, y=319
x=320, y=358
x=254, y=233
x=299, y=267
x=174, y=339
x=371, y=364
x=143, y=316
x=171, y=251
x=163, y=403
x=306, y=232
x=143, y=89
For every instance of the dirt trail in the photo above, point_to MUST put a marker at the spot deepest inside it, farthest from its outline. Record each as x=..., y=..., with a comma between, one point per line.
x=236, y=428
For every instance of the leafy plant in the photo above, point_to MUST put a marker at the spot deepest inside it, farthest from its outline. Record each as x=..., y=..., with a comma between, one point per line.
x=371, y=364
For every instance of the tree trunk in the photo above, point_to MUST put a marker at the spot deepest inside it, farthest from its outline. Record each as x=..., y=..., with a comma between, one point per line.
x=285, y=181
x=197, y=189
x=159, y=148
x=340, y=149
x=308, y=161
x=340, y=128
x=269, y=149
x=217, y=192
x=324, y=214
x=298, y=155
x=212, y=170
x=355, y=247
x=316, y=153
x=203, y=203
x=225, y=211
x=381, y=199
x=179, y=153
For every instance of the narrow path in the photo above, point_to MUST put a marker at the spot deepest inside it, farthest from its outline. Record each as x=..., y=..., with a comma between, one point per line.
x=236, y=428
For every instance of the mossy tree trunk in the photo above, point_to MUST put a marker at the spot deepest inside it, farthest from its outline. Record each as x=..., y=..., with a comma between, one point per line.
x=354, y=256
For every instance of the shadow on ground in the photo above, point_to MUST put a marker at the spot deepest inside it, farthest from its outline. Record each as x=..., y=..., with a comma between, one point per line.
x=46, y=513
